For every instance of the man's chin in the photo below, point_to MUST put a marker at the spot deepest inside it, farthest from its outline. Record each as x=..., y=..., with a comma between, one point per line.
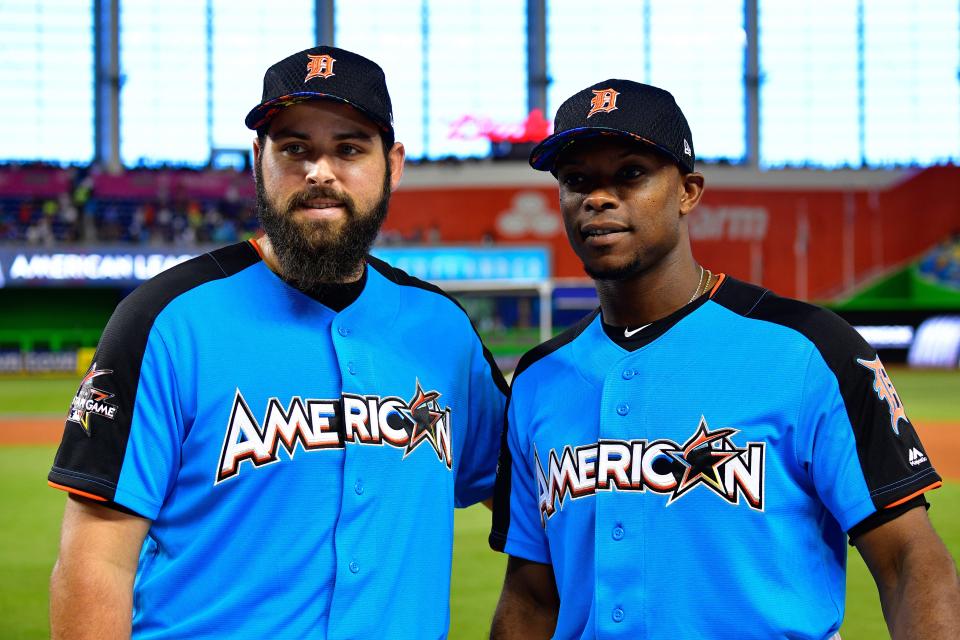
x=312, y=226
x=311, y=217
x=612, y=272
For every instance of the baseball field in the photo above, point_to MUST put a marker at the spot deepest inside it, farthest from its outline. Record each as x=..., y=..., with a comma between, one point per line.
x=31, y=419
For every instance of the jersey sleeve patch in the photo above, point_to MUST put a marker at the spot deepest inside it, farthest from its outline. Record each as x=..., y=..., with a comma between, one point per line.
x=98, y=423
x=894, y=461
x=891, y=458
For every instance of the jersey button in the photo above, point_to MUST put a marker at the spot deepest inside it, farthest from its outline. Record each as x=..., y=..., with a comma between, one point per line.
x=623, y=408
x=352, y=368
x=618, y=533
x=354, y=567
x=617, y=615
x=343, y=331
x=358, y=487
x=627, y=374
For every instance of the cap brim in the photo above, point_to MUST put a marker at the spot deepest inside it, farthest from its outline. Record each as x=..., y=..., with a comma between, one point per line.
x=544, y=155
x=265, y=112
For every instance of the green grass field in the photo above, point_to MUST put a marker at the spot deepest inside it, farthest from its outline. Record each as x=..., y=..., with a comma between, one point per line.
x=30, y=514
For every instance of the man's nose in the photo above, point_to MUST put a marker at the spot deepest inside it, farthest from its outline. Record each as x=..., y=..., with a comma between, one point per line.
x=320, y=172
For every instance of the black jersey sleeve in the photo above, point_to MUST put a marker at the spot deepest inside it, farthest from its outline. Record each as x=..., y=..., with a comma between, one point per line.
x=129, y=369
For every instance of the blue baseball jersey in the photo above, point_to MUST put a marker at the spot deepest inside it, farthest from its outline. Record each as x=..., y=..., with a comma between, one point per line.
x=702, y=485
x=299, y=465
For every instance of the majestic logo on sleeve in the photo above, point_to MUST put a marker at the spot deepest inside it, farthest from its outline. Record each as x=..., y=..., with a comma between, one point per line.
x=331, y=424
x=90, y=400
x=604, y=101
x=708, y=459
x=885, y=391
x=319, y=67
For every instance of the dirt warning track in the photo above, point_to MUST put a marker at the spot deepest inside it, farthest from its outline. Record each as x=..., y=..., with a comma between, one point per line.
x=941, y=439
x=18, y=431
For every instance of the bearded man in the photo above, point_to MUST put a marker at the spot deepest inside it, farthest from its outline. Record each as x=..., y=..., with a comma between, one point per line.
x=273, y=435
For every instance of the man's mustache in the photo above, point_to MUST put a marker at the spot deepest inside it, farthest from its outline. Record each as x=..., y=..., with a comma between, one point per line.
x=301, y=198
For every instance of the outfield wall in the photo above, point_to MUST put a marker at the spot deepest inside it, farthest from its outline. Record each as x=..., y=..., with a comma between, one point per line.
x=816, y=240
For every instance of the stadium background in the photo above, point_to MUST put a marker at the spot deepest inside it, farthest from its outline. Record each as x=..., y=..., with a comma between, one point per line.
x=828, y=132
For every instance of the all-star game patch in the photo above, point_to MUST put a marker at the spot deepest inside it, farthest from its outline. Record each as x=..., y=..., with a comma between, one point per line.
x=91, y=400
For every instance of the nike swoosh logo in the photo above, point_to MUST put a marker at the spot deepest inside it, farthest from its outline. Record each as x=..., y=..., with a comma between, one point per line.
x=629, y=334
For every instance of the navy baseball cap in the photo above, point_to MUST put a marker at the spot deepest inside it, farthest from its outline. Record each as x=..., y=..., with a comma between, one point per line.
x=325, y=73
x=620, y=108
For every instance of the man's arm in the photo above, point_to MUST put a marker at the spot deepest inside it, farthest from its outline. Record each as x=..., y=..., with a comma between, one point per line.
x=91, y=589
x=529, y=603
x=916, y=577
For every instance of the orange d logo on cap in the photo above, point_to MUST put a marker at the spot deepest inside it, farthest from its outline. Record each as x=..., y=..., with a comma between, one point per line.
x=604, y=101
x=319, y=66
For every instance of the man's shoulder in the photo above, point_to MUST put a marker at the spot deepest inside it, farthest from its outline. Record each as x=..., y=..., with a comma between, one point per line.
x=147, y=301
x=829, y=333
x=429, y=300
x=437, y=310
x=546, y=349
x=400, y=278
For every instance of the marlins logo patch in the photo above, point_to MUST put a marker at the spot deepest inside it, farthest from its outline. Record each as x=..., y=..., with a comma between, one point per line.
x=885, y=391
x=319, y=66
x=91, y=400
x=604, y=101
x=708, y=459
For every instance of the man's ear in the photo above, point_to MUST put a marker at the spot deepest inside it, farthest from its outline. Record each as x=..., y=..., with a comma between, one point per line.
x=396, y=156
x=692, y=184
x=256, y=152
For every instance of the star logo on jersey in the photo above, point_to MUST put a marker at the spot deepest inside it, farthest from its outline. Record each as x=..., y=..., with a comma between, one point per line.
x=886, y=392
x=422, y=413
x=702, y=458
x=91, y=400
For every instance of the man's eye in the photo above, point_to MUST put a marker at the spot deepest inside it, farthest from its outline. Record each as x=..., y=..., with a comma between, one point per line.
x=293, y=149
x=631, y=172
x=572, y=179
x=349, y=150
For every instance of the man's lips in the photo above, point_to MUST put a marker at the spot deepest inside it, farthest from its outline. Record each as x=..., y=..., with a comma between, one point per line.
x=602, y=233
x=321, y=208
x=321, y=204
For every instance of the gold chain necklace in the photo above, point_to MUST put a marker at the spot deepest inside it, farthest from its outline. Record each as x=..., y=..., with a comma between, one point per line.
x=696, y=292
x=706, y=285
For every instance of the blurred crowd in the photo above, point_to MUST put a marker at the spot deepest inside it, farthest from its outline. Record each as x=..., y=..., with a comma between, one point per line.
x=942, y=263
x=78, y=215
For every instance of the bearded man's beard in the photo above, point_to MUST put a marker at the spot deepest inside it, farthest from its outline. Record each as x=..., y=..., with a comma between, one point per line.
x=311, y=253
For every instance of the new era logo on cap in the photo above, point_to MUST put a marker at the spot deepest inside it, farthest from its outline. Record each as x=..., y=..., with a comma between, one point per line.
x=624, y=108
